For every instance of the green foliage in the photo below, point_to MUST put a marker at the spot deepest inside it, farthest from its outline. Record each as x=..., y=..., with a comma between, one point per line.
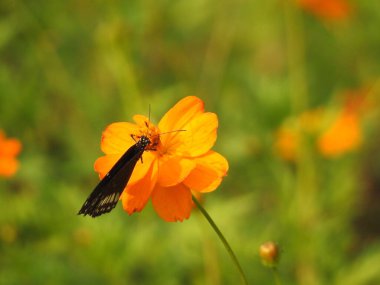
x=69, y=68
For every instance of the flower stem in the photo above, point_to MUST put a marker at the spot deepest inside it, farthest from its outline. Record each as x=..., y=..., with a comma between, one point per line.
x=223, y=240
x=276, y=275
x=306, y=208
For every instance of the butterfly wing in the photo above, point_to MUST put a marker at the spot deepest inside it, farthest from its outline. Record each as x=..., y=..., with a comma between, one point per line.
x=107, y=193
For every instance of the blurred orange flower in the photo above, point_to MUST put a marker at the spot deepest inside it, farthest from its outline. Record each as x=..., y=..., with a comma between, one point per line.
x=327, y=9
x=334, y=135
x=288, y=135
x=287, y=141
x=343, y=135
x=182, y=162
x=9, y=149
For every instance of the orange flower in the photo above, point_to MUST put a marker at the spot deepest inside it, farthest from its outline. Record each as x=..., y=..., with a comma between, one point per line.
x=286, y=144
x=289, y=134
x=326, y=9
x=337, y=137
x=9, y=148
x=183, y=160
x=342, y=136
x=345, y=133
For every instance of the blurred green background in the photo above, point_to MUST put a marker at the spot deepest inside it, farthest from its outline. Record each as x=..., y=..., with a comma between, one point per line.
x=70, y=68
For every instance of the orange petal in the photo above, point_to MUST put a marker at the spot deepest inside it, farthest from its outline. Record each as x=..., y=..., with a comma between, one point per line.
x=146, y=127
x=141, y=121
x=287, y=143
x=328, y=9
x=198, y=138
x=179, y=115
x=172, y=203
x=104, y=164
x=174, y=170
x=135, y=196
x=8, y=166
x=208, y=173
x=9, y=147
x=142, y=168
x=116, y=138
x=343, y=135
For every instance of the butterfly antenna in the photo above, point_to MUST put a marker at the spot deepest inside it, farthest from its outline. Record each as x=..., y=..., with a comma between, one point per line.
x=149, y=112
x=169, y=132
x=172, y=132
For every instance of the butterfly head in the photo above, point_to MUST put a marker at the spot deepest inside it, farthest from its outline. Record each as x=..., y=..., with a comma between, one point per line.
x=144, y=141
x=148, y=142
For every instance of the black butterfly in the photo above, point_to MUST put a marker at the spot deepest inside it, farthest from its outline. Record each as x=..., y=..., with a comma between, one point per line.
x=107, y=193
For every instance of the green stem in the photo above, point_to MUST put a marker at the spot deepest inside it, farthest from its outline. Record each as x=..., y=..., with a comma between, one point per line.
x=306, y=206
x=223, y=239
x=296, y=58
x=276, y=275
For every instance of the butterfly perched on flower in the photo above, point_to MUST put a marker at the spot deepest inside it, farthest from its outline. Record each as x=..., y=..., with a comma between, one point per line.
x=141, y=163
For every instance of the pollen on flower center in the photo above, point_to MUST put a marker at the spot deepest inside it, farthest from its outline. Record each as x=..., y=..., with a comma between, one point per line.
x=151, y=132
x=155, y=142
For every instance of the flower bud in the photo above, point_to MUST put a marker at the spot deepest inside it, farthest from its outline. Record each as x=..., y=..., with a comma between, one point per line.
x=269, y=253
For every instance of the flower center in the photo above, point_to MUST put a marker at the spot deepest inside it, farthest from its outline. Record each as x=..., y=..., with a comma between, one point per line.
x=151, y=132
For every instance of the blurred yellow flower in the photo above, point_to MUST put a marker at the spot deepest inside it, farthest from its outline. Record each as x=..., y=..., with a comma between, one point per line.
x=9, y=149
